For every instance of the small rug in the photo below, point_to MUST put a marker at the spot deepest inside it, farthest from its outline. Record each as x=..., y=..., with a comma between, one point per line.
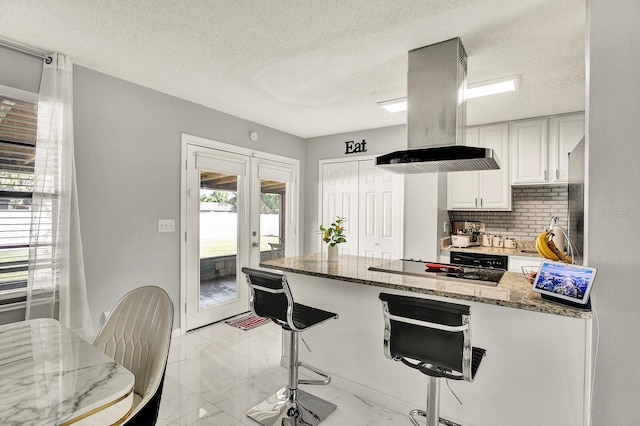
x=247, y=322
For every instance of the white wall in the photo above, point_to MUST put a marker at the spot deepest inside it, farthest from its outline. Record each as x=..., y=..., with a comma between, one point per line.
x=128, y=166
x=425, y=194
x=379, y=141
x=613, y=117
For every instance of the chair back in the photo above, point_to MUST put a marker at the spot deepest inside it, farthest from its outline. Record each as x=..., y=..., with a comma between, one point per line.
x=137, y=334
x=435, y=334
x=270, y=296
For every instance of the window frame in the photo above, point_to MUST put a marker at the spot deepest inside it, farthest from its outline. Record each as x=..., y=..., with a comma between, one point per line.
x=15, y=298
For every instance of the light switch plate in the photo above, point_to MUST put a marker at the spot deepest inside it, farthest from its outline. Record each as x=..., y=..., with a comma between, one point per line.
x=166, y=225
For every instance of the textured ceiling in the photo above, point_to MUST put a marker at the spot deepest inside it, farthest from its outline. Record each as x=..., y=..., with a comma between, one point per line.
x=314, y=67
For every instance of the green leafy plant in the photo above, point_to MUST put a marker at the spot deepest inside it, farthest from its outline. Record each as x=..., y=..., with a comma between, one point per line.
x=334, y=234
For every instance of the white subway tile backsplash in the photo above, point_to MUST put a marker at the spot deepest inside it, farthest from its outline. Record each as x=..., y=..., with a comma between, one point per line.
x=532, y=209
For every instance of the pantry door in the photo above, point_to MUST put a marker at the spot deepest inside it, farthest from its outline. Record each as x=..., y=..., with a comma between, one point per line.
x=371, y=199
x=238, y=209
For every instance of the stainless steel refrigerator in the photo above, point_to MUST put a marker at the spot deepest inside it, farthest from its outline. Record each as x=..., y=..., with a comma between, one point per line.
x=576, y=200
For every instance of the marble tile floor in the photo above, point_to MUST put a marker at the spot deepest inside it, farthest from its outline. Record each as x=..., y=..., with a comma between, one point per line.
x=216, y=373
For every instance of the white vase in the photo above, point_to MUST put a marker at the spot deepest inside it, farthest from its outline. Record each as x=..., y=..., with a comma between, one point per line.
x=332, y=253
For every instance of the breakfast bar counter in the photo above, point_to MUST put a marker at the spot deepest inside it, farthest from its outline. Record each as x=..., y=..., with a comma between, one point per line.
x=513, y=290
x=537, y=368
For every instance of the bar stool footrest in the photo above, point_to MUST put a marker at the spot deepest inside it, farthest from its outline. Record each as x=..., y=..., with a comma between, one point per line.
x=279, y=409
x=422, y=413
x=325, y=381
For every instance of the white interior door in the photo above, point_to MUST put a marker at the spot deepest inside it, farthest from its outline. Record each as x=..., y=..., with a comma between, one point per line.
x=371, y=200
x=379, y=206
x=340, y=198
x=239, y=207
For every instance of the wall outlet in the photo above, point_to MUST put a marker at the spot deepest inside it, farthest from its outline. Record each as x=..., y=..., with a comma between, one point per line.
x=166, y=225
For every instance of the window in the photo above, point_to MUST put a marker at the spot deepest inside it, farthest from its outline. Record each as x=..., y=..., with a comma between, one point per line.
x=18, y=118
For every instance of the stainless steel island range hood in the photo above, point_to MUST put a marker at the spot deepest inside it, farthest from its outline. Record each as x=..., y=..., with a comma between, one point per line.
x=436, y=115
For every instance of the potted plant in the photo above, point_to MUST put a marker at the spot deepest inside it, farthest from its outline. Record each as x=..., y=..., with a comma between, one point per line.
x=334, y=235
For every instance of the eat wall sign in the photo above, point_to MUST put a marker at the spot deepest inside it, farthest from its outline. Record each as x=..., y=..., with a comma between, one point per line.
x=352, y=147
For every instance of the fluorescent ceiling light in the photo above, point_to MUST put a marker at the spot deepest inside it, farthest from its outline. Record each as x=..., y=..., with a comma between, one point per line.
x=395, y=105
x=493, y=87
x=476, y=90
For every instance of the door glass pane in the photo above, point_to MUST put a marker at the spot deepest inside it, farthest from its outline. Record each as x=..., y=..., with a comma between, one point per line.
x=272, y=219
x=218, y=238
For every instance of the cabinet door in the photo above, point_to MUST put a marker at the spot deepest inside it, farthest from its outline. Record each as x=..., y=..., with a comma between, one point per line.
x=565, y=131
x=495, y=189
x=529, y=144
x=462, y=187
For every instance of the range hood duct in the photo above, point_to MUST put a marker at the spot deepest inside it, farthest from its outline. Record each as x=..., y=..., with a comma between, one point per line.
x=436, y=115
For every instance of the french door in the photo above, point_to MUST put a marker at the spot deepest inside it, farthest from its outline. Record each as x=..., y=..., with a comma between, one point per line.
x=238, y=208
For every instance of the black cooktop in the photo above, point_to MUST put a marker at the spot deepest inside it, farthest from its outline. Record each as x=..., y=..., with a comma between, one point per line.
x=418, y=268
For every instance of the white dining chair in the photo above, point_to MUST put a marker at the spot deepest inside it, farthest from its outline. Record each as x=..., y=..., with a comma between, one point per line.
x=137, y=334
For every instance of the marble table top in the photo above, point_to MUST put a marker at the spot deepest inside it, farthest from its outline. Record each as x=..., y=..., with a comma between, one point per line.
x=512, y=291
x=51, y=376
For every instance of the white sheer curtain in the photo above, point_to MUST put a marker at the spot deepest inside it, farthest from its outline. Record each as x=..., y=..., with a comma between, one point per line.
x=56, y=285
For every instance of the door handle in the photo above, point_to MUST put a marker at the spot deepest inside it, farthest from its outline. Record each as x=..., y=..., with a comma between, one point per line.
x=255, y=244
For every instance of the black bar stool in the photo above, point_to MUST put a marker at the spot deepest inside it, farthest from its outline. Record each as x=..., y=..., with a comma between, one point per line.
x=271, y=298
x=434, y=338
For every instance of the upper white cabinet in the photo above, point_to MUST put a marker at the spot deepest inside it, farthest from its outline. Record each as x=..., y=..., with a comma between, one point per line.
x=565, y=131
x=540, y=147
x=487, y=189
x=529, y=151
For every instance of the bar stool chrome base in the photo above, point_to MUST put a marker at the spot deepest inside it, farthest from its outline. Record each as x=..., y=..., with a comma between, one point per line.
x=280, y=410
x=414, y=413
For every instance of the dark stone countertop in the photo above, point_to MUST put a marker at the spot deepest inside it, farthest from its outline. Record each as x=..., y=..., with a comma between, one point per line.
x=513, y=290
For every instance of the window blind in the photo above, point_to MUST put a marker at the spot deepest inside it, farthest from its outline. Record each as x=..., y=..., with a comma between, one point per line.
x=18, y=126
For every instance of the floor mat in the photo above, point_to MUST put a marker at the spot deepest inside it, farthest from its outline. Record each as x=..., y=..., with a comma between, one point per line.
x=247, y=322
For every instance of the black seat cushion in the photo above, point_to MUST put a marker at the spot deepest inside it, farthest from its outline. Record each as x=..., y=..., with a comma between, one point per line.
x=438, y=371
x=275, y=305
x=434, y=352
x=306, y=316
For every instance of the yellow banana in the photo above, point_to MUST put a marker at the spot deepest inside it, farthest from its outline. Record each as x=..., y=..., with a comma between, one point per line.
x=547, y=248
x=557, y=252
x=543, y=248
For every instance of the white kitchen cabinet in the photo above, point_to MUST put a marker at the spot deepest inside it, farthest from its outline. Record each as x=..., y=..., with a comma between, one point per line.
x=487, y=189
x=529, y=145
x=539, y=148
x=565, y=131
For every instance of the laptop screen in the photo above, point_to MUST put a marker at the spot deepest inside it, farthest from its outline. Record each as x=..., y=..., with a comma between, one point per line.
x=564, y=281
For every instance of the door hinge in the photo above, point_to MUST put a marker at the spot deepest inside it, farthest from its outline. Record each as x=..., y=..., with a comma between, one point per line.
x=185, y=308
x=185, y=236
x=186, y=164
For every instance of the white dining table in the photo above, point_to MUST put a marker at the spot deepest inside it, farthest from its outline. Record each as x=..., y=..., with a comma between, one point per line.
x=51, y=376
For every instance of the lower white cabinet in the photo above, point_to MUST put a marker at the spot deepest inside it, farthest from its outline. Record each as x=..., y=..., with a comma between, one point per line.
x=487, y=189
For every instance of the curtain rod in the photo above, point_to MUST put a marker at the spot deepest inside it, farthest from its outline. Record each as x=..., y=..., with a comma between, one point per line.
x=26, y=50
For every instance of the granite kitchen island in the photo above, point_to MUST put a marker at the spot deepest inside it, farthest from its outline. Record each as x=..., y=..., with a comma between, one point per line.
x=538, y=364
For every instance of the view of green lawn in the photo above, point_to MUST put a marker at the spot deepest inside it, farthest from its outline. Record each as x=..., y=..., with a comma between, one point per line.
x=211, y=247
